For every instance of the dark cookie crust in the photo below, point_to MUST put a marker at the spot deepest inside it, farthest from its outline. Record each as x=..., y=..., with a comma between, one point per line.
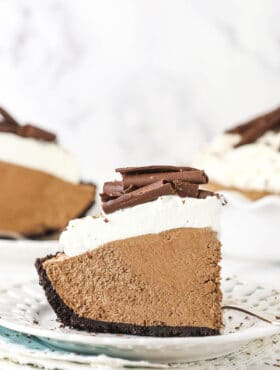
x=69, y=318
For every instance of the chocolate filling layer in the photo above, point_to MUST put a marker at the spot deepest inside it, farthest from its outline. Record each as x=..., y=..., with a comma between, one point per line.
x=163, y=284
x=34, y=203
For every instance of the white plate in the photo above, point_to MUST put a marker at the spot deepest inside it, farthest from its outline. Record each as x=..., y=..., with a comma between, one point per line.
x=24, y=308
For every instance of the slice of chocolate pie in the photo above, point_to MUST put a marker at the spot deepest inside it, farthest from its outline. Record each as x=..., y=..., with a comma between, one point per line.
x=149, y=265
x=40, y=189
x=246, y=158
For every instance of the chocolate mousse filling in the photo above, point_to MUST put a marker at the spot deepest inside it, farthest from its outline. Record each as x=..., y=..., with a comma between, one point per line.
x=35, y=204
x=165, y=284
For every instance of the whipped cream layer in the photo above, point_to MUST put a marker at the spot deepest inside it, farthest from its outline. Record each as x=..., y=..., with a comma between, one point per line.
x=39, y=155
x=165, y=213
x=250, y=167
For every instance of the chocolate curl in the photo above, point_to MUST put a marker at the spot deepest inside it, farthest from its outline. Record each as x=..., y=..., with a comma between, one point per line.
x=185, y=189
x=255, y=128
x=36, y=133
x=148, y=169
x=7, y=122
x=105, y=197
x=144, y=184
x=139, y=196
x=10, y=125
x=254, y=133
x=139, y=180
x=113, y=188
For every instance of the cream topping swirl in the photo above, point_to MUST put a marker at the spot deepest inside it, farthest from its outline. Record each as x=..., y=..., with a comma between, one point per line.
x=253, y=166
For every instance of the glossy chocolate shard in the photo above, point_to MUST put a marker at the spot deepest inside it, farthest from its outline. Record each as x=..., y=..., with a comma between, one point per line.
x=148, y=169
x=144, y=184
x=139, y=196
x=193, y=177
x=113, y=188
x=257, y=127
x=185, y=189
x=142, y=176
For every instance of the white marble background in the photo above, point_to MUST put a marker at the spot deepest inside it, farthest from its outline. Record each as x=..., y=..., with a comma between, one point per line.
x=138, y=81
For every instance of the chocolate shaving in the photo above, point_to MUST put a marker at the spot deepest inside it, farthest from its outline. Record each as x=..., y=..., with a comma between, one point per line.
x=10, y=125
x=255, y=128
x=202, y=194
x=148, y=169
x=139, y=196
x=113, y=188
x=144, y=184
x=138, y=178
x=193, y=177
x=105, y=197
x=185, y=189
